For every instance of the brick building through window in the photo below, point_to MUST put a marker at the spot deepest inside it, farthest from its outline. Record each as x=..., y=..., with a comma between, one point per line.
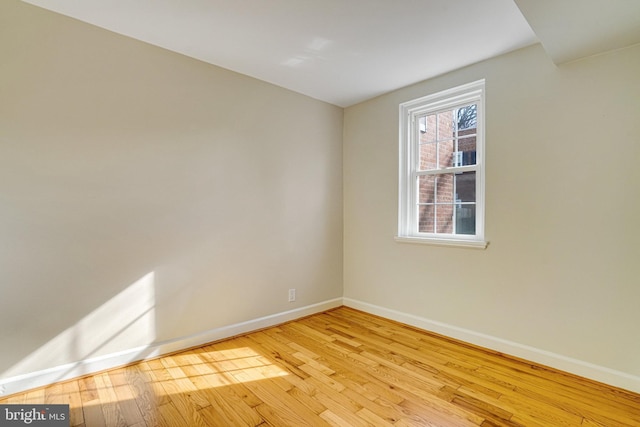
x=447, y=201
x=441, y=185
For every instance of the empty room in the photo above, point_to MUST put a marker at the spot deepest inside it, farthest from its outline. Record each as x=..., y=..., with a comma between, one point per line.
x=323, y=213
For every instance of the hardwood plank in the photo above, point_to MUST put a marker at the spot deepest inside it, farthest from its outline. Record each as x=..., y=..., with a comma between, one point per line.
x=345, y=410
x=184, y=402
x=125, y=397
x=35, y=396
x=495, y=414
x=372, y=419
x=91, y=408
x=289, y=410
x=72, y=391
x=341, y=368
x=113, y=415
x=377, y=406
x=333, y=419
x=271, y=415
x=170, y=416
x=143, y=393
x=54, y=394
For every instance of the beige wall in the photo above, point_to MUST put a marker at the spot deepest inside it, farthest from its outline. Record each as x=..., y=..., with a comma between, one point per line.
x=561, y=273
x=146, y=196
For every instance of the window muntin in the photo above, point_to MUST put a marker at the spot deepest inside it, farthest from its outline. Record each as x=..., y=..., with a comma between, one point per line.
x=441, y=168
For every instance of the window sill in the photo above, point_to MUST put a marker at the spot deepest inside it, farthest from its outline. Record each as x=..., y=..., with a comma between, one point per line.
x=473, y=244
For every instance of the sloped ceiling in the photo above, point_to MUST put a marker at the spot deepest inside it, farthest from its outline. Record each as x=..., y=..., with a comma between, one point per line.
x=574, y=29
x=347, y=51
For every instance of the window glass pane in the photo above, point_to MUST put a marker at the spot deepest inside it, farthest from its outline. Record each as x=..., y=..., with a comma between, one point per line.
x=427, y=128
x=444, y=203
x=444, y=188
x=465, y=203
x=447, y=203
x=442, y=145
x=426, y=218
x=426, y=188
x=467, y=118
x=444, y=218
x=446, y=126
x=428, y=156
x=465, y=187
x=446, y=153
x=441, y=218
x=465, y=219
x=467, y=150
x=436, y=198
x=422, y=126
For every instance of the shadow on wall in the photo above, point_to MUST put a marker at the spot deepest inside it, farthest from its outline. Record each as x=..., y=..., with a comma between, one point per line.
x=127, y=320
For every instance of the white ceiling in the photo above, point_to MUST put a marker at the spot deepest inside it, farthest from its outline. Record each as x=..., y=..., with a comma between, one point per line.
x=574, y=29
x=347, y=51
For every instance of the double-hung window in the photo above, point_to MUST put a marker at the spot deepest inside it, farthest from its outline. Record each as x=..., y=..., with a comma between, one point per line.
x=442, y=168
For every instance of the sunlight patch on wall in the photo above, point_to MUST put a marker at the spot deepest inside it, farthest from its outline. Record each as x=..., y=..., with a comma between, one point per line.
x=124, y=322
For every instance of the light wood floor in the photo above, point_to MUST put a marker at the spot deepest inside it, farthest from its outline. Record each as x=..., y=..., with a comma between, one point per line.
x=340, y=368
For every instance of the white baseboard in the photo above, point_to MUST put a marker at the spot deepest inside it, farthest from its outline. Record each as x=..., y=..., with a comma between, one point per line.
x=41, y=378
x=567, y=364
x=44, y=377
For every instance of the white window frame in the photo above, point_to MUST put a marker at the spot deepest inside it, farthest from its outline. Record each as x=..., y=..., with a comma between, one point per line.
x=408, y=168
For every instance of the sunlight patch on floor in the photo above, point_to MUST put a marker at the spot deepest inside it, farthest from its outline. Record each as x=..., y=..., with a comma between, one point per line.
x=242, y=364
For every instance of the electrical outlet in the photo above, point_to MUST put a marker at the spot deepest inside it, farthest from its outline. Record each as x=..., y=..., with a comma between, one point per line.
x=2, y=389
x=292, y=295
